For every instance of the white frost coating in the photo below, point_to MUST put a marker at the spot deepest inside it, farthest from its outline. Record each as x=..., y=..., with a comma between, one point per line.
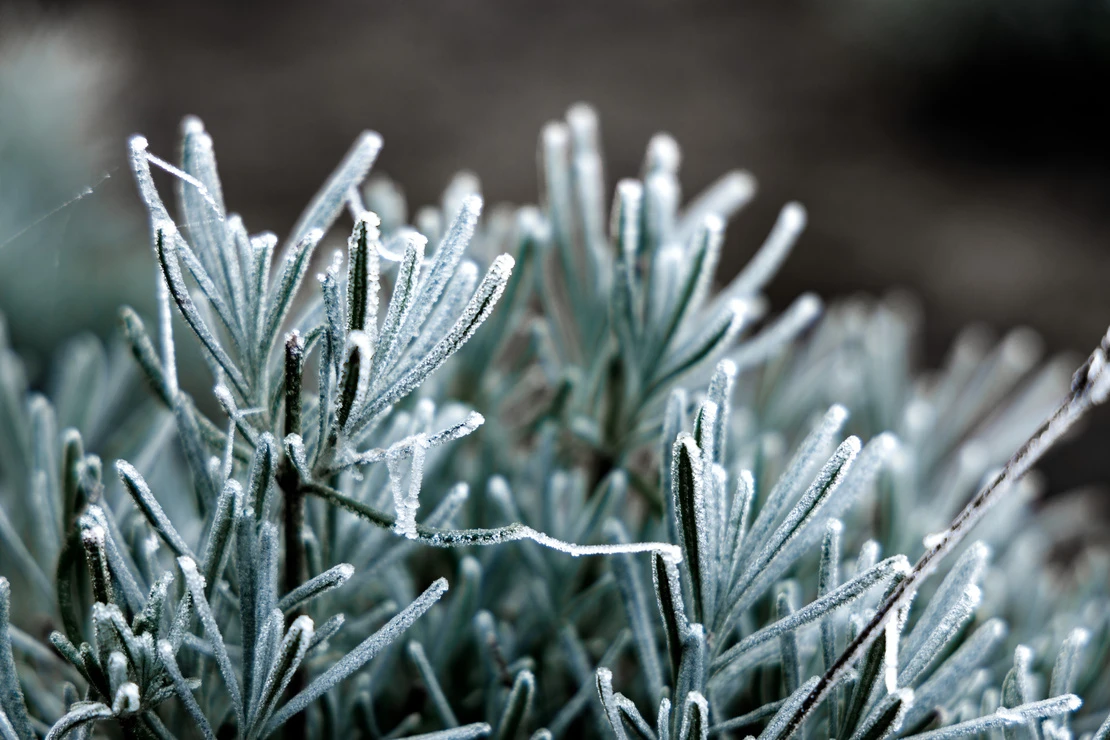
x=604, y=680
x=358, y=657
x=407, y=502
x=1097, y=378
x=127, y=699
x=295, y=446
x=766, y=262
x=515, y=532
x=361, y=341
x=890, y=654
x=165, y=336
x=935, y=540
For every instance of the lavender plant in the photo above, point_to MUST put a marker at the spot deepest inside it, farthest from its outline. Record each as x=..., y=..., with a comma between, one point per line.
x=544, y=384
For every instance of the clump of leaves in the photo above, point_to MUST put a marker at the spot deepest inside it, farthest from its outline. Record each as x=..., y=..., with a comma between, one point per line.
x=281, y=566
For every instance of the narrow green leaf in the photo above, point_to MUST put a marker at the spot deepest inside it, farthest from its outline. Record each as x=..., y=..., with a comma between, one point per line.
x=79, y=715
x=195, y=582
x=886, y=718
x=151, y=510
x=518, y=704
x=286, y=662
x=688, y=490
x=11, y=694
x=280, y=297
x=165, y=234
x=329, y=201
x=431, y=684
x=183, y=690
x=330, y=579
x=668, y=594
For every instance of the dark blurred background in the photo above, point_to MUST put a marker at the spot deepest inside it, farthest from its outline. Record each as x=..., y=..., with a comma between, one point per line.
x=956, y=148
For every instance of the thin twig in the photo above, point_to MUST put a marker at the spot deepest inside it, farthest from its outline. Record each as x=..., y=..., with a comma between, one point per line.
x=1090, y=387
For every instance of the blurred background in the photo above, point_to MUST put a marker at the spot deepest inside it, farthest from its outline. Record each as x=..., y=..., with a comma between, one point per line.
x=957, y=149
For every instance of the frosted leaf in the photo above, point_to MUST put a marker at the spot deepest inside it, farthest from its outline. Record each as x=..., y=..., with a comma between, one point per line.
x=776, y=728
x=329, y=201
x=405, y=447
x=316, y=586
x=280, y=296
x=604, y=682
x=444, y=261
x=1006, y=717
x=195, y=583
x=663, y=155
x=785, y=329
x=695, y=717
x=1065, y=671
x=358, y=657
x=769, y=258
x=82, y=713
x=835, y=599
x=294, y=446
x=391, y=338
x=446, y=312
x=887, y=717
x=467, y=426
x=479, y=308
x=661, y=197
x=182, y=689
x=286, y=660
x=666, y=281
x=808, y=455
x=731, y=192
x=706, y=345
x=956, y=668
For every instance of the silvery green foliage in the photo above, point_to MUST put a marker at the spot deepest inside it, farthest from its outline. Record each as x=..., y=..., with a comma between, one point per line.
x=274, y=559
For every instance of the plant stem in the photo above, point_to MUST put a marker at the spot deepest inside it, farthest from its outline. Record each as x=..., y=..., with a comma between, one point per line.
x=289, y=481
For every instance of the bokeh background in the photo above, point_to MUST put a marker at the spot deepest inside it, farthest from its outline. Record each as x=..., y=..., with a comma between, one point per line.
x=957, y=149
